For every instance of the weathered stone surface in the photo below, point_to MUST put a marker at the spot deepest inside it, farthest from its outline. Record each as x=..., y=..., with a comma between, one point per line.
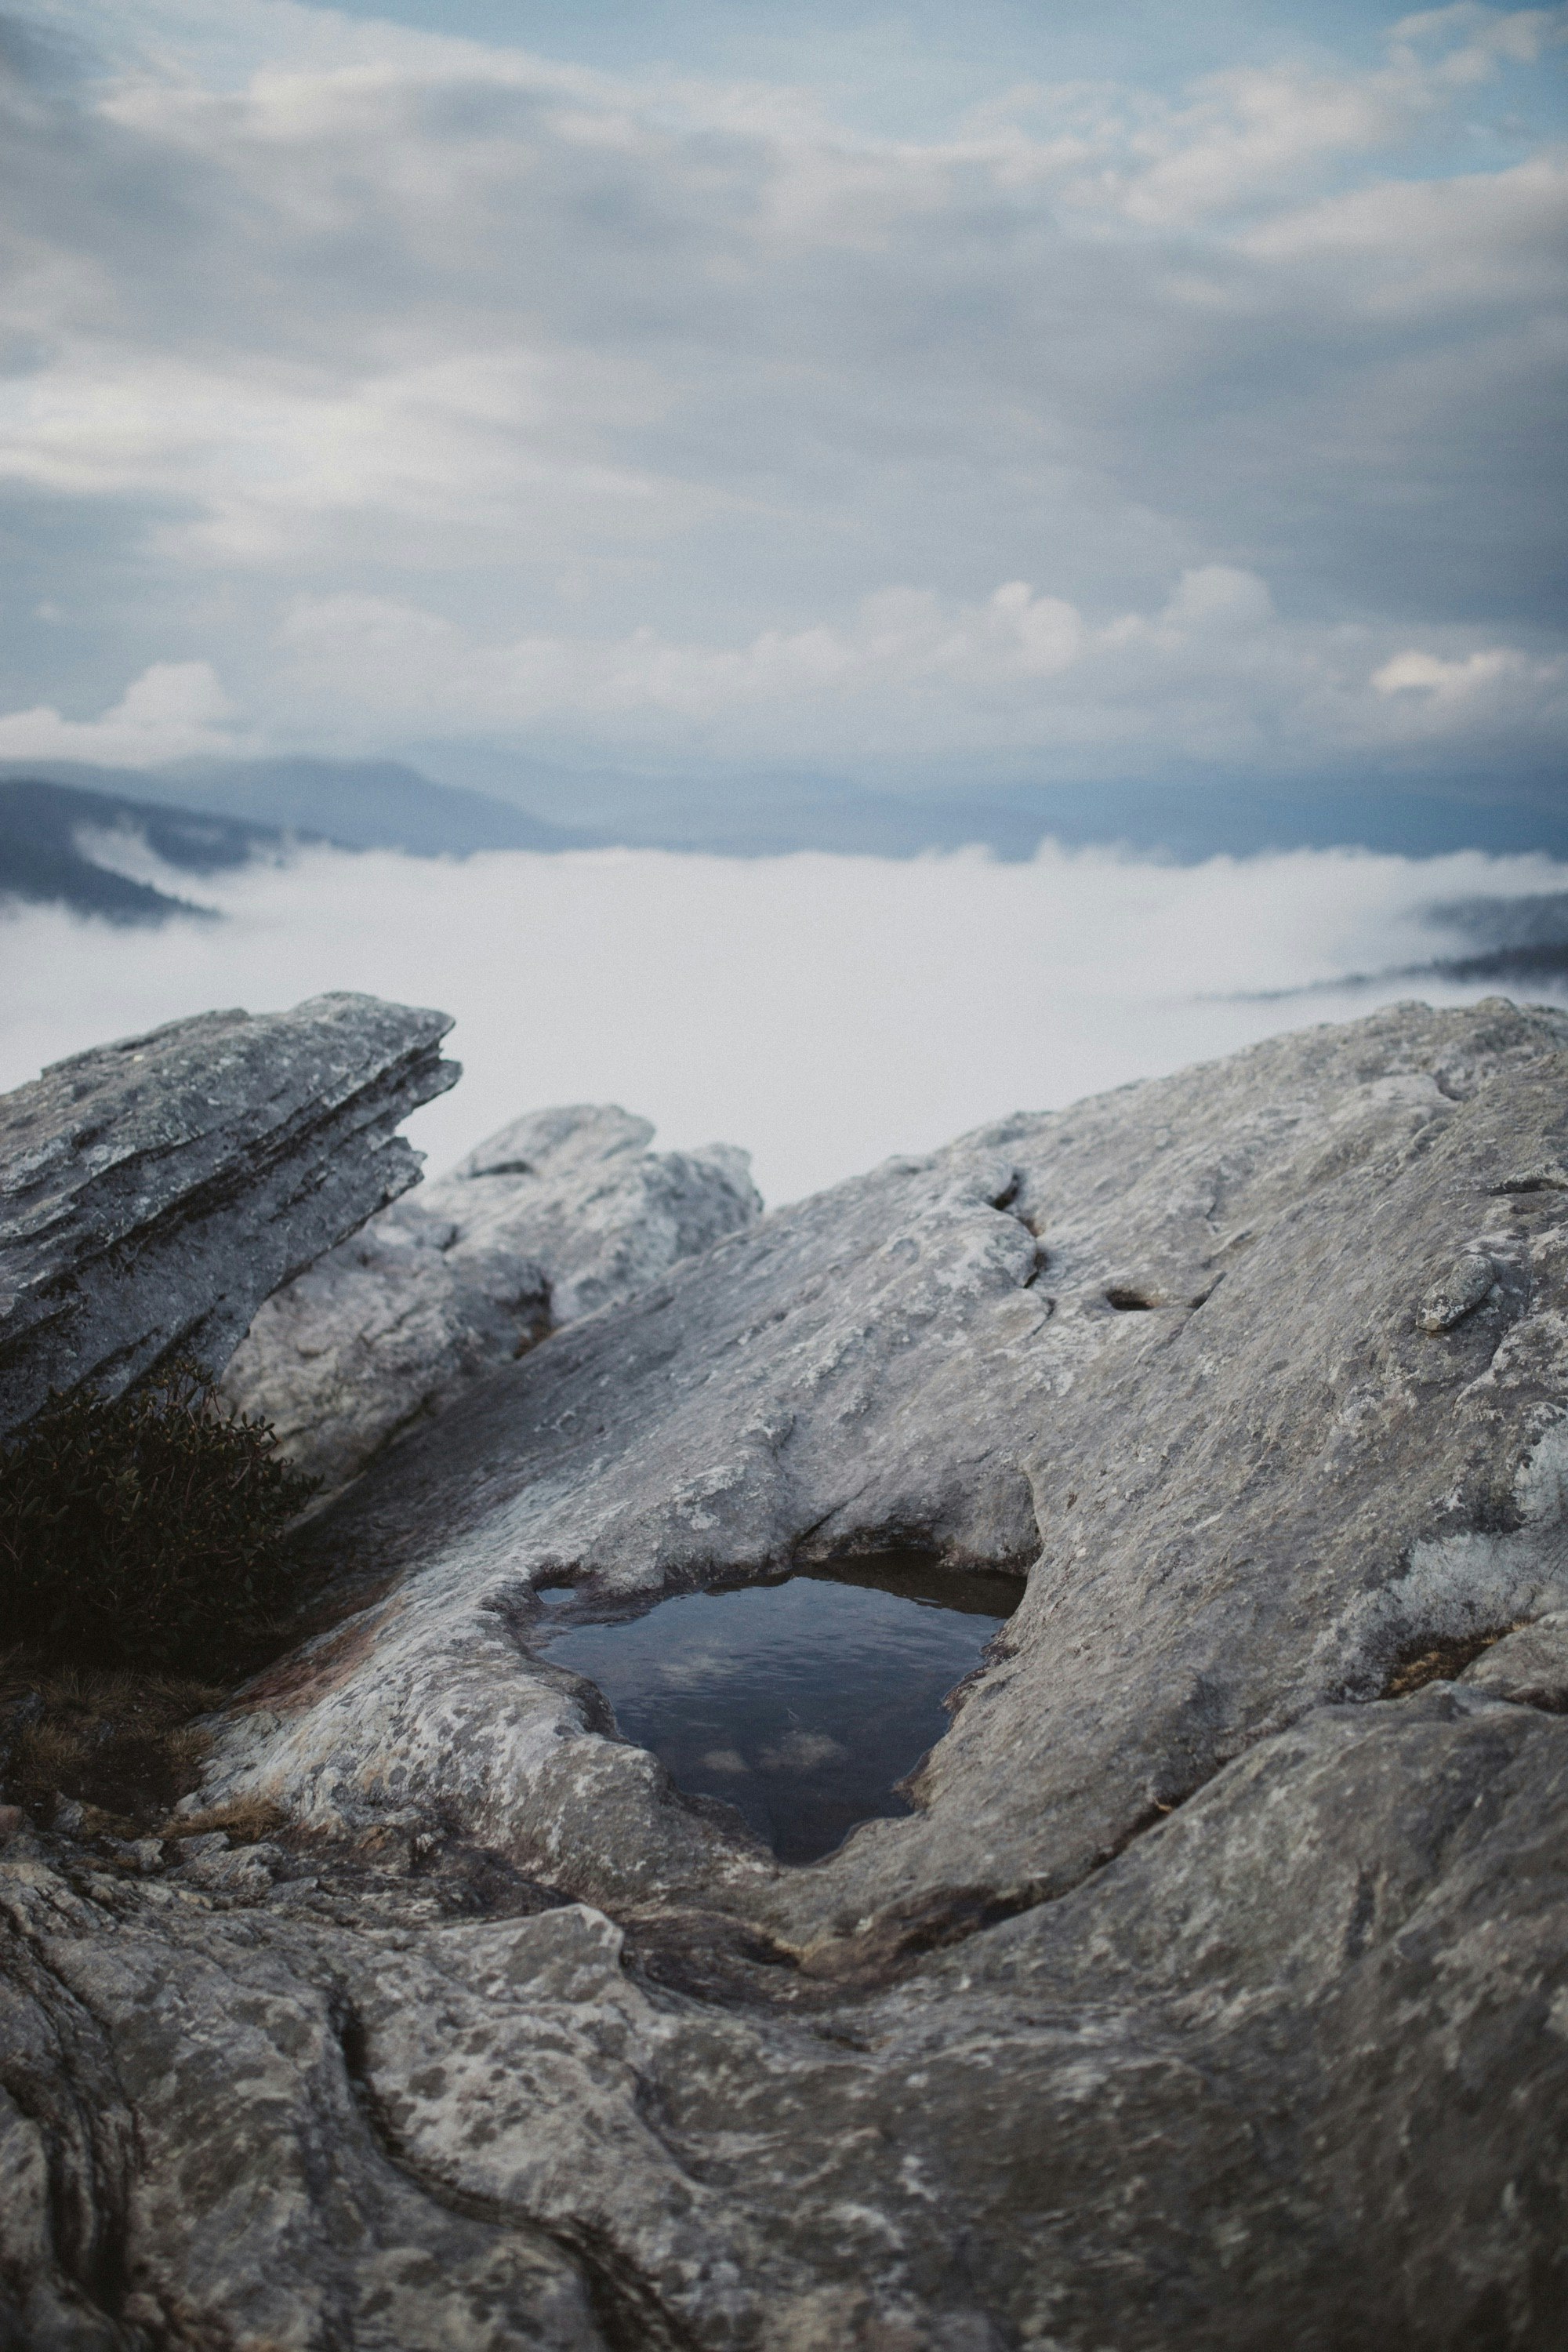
x=1212, y=2002
x=1468, y=1281
x=1292, y=2070
x=155, y=1191
x=1247, y=1498
x=563, y=1211
x=1530, y=1666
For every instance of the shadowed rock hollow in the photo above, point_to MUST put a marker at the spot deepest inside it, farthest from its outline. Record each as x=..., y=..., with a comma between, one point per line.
x=561, y=1211
x=1214, y=1997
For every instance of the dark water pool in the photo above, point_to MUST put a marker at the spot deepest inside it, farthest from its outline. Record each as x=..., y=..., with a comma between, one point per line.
x=801, y=1701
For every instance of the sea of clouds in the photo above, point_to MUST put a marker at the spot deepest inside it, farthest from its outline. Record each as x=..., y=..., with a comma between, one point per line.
x=822, y=1010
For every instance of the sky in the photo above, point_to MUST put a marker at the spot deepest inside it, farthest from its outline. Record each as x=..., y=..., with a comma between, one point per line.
x=917, y=393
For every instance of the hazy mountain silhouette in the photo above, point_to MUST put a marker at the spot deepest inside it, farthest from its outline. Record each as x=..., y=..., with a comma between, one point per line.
x=46, y=840
x=245, y=808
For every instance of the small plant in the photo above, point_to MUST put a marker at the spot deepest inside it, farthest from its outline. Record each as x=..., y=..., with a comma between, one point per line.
x=146, y=1531
x=127, y=1746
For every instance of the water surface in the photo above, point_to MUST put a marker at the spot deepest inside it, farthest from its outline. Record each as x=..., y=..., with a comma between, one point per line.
x=802, y=1701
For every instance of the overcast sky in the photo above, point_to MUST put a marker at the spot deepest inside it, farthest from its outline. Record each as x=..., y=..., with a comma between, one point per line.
x=978, y=391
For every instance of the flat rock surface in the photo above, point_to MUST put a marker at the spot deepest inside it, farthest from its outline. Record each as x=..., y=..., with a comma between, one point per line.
x=155, y=1191
x=1217, y=1997
x=562, y=1212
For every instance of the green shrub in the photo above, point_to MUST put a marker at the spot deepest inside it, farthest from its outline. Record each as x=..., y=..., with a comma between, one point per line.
x=145, y=1529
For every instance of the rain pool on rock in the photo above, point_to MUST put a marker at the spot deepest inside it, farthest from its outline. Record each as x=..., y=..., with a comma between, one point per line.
x=803, y=1701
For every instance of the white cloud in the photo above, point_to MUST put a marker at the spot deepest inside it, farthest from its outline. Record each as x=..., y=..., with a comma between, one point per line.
x=1500, y=238
x=278, y=458
x=1246, y=137
x=1487, y=35
x=1414, y=672
x=1213, y=666
x=1489, y=693
x=904, y=639
x=174, y=710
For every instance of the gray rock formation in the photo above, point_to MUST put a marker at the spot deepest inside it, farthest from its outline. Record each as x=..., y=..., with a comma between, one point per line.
x=1289, y=2071
x=155, y=1191
x=1213, y=2000
x=1171, y=1347
x=563, y=1211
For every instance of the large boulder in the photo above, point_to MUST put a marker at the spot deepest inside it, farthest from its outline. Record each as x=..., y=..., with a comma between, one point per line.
x=1213, y=1998
x=561, y=1213
x=155, y=1191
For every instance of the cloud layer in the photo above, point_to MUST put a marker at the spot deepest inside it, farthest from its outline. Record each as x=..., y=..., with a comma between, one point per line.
x=824, y=1012
x=417, y=386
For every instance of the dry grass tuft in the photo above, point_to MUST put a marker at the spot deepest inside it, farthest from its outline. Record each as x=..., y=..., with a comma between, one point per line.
x=248, y=1819
x=1440, y=1662
x=127, y=1746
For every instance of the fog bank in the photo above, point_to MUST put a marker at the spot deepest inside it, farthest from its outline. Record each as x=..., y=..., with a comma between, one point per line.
x=823, y=1011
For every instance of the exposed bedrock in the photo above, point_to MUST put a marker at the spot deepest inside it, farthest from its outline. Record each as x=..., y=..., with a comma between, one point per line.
x=1170, y=1346
x=155, y=1191
x=1292, y=2070
x=562, y=1212
x=1215, y=1999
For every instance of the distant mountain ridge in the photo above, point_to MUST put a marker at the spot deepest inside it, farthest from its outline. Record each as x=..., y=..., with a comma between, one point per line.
x=367, y=804
x=358, y=803
x=224, y=811
x=43, y=859
x=208, y=816
x=763, y=814
x=1523, y=942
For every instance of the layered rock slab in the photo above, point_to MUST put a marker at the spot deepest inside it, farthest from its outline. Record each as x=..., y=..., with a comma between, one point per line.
x=155, y=1191
x=561, y=1213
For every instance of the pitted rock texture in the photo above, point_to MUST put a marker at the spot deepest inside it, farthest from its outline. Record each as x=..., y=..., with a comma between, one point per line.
x=1292, y=2070
x=562, y=1212
x=155, y=1191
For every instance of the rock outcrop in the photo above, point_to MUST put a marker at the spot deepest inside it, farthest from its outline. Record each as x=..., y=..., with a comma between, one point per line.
x=1214, y=1997
x=1170, y=1349
x=561, y=1213
x=1288, y=2070
x=155, y=1191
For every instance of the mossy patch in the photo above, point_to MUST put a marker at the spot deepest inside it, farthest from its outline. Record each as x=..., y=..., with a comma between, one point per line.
x=144, y=1572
